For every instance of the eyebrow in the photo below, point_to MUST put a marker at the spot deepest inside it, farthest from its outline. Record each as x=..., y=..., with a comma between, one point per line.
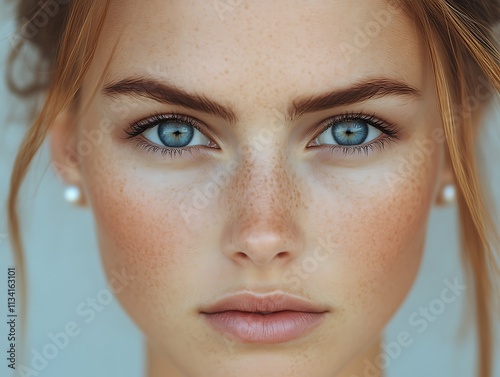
x=169, y=94
x=166, y=93
x=359, y=92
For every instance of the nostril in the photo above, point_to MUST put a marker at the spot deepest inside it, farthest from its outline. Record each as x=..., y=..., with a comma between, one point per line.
x=260, y=257
x=242, y=255
x=282, y=254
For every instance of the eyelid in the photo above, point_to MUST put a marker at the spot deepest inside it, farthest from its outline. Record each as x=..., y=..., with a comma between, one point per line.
x=372, y=120
x=389, y=133
x=138, y=127
x=388, y=129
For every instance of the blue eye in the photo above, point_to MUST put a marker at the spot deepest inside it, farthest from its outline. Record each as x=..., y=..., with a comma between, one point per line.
x=349, y=133
x=175, y=134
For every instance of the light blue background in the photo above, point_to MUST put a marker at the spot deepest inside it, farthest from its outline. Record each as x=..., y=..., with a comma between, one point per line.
x=64, y=270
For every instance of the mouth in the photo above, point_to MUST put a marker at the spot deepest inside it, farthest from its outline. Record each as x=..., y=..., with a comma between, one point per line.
x=267, y=319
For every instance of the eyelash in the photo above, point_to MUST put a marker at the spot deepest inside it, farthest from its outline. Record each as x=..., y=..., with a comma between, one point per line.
x=389, y=130
x=137, y=128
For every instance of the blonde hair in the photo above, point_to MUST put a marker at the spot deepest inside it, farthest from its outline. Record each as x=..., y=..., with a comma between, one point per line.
x=460, y=38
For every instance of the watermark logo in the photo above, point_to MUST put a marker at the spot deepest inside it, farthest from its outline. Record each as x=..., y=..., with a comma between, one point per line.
x=225, y=6
x=419, y=321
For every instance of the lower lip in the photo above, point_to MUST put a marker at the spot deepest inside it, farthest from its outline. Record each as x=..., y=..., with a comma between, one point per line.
x=278, y=327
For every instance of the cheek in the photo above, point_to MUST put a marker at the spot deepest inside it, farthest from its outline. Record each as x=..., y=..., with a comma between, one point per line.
x=377, y=226
x=140, y=228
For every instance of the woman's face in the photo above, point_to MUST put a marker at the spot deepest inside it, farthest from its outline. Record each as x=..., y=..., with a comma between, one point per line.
x=311, y=155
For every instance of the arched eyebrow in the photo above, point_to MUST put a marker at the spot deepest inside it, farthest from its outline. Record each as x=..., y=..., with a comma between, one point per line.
x=169, y=94
x=166, y=93
x=359, y=92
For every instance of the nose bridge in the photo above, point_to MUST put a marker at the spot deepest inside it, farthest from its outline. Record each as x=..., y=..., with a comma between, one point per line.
x=265, y=190
x=264, y=202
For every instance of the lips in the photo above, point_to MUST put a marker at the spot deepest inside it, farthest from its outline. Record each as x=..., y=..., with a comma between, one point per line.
x=271, y=318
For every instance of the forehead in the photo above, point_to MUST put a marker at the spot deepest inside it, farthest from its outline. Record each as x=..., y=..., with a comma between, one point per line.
x=261, y=48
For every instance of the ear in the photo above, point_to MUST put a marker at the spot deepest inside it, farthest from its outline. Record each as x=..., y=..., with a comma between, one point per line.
x=64, y=151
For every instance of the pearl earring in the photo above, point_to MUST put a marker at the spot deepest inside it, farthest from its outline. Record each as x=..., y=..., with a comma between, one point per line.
x=72, y=194
x=449, y=194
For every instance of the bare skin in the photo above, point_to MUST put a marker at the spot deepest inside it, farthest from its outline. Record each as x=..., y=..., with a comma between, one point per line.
x=288, y=188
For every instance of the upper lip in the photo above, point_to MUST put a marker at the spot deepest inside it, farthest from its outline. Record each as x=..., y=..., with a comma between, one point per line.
x=264, y=303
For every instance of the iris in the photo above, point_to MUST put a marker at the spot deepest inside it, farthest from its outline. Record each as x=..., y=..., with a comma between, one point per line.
x=350, y=133
x=175, y=135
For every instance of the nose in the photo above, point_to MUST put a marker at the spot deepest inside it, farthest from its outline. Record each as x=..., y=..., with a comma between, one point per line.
x=262, y=229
